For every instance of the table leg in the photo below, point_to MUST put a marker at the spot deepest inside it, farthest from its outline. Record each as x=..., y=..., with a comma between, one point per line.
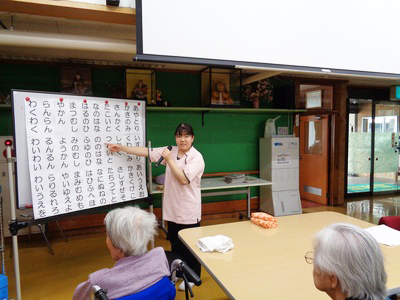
x=248, y=198
x=45, y=238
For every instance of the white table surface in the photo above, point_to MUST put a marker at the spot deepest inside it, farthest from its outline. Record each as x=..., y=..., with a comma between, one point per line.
x=269, y=263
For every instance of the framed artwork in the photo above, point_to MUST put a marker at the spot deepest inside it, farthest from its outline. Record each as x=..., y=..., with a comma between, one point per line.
x=140, y=85
x=76, y=80
x=313, y=95
x=314, y=99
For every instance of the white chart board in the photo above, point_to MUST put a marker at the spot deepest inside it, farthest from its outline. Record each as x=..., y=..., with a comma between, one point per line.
x=63, y=165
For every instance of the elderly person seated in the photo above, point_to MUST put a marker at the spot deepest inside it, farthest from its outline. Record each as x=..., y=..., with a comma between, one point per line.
x=348, y=263
x=129, y=230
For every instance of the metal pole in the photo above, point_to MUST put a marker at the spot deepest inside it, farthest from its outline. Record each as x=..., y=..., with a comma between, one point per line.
x=13, y=219
x=149, y=184
x=3, y=266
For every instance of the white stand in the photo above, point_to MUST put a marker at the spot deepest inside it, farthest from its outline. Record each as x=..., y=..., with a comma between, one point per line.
x=13, y=219
x=279, y=163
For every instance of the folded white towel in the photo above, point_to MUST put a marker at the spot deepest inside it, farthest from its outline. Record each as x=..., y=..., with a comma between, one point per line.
x=218, y=243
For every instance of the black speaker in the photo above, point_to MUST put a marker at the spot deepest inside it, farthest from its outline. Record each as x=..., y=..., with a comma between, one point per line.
x=112, y=2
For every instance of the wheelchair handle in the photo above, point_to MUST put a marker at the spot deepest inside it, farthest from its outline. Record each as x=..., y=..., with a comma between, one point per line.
x=190, y=274
x=99, y=293
x=179, y=265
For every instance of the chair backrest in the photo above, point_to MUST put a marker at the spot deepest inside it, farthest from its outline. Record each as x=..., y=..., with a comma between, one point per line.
x=163, y=290
x=390, y=221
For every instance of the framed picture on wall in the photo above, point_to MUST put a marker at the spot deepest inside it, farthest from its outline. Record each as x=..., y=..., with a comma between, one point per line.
x=314, y=99
x=310, y=94
x=140, y=85
x=76, y=80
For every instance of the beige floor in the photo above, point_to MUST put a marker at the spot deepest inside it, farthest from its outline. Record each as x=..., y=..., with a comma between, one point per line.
x=48, y=277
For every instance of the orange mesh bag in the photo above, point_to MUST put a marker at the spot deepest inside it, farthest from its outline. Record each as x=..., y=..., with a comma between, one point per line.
x=263, y=216
x=264, y=220
x=263, y=223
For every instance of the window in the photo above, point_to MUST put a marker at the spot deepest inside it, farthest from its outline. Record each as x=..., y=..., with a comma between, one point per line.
x=313, y=138
x=382, y=124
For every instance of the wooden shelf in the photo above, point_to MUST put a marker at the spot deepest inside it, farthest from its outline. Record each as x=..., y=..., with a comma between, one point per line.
x=229, y=110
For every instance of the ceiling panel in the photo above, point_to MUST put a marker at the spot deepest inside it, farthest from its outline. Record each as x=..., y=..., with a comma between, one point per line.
x=68, y=26
x=33, y=52
x=29, y=23
x=97, y=29
x=50, y=25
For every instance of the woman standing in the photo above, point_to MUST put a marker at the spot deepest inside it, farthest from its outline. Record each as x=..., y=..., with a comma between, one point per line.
x=182, y=196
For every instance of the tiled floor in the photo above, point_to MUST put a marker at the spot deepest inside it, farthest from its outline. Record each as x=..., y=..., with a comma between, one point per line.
x=370, y=209
x=48, y=277
x=367, y=208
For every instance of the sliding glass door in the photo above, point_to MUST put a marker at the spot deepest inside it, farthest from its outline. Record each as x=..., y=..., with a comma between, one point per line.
x=373, y=162
x=386, y=158
x=359, y=147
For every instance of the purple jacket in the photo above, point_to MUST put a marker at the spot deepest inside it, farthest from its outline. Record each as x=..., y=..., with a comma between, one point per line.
x=128, y=276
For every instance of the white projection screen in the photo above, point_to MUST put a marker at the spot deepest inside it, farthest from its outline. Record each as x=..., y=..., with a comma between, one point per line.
x=355, y=37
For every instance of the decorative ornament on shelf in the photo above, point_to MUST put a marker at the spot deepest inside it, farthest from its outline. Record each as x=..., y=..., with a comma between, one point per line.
x=258, y=91
x=140, y=91
x=220, y=94
x=159, y=98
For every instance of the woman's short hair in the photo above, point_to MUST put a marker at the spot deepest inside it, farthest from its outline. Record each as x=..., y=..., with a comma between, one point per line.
x=184, y=127
x=354, y=257
x=131, y=229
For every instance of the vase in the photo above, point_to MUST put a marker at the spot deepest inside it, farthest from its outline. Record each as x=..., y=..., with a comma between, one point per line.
x=256, y=103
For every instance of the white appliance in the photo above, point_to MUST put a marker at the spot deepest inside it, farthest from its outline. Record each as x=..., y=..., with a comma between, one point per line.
x=279, y=163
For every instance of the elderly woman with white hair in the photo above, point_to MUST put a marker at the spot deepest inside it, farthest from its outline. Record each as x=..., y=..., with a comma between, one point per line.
x=129, y=230
x=348, y=263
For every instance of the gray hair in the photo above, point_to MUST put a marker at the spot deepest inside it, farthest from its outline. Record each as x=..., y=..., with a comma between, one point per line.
x=354, y=257
x=131, y=229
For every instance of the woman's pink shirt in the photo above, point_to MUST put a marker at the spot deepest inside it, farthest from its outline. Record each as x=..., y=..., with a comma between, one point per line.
x=181, y=202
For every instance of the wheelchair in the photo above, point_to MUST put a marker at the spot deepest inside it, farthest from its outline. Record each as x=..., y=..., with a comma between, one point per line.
x=165, y=288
